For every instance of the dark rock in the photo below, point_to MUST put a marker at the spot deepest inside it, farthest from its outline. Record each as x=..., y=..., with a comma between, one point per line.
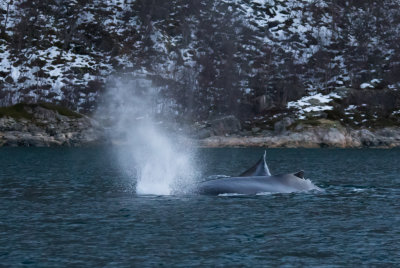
x=323, y=115
x=367, y=138
x=342, y=91
x=281, y=126
x=379, y=83
x=203, y=133
x=225, y=125
x=314, y=101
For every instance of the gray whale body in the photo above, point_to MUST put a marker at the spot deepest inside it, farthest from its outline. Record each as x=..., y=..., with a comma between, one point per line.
x=257, y=179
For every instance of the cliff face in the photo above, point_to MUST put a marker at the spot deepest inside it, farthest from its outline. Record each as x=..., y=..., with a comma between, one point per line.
x=207, y=58
x=46, y=125
x=269, y=69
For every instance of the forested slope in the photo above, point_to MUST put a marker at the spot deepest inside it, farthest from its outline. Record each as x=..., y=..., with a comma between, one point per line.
x=254, y=59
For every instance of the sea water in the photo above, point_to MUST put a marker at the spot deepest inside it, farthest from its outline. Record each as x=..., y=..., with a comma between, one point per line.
x=63, y=207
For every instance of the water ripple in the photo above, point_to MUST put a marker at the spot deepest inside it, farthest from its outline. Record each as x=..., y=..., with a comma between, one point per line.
x=72, y=207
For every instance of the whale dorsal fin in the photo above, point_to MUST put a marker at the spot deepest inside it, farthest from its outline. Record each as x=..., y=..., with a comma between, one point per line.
x=259, y=169
x=299, y=174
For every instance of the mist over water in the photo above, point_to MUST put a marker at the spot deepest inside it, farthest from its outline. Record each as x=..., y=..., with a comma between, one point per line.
x=159, y=161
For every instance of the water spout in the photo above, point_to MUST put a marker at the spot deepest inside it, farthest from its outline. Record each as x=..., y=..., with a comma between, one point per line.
x=160, y=161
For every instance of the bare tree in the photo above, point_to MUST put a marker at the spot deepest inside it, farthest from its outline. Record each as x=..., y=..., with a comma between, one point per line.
x=8, y=3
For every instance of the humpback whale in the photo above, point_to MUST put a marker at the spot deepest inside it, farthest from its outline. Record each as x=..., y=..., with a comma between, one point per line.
x=257, y=179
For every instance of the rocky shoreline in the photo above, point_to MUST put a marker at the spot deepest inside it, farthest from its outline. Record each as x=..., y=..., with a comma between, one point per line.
x=46, y=126
x=43, y=126
x=289, y=133
x=316, y=137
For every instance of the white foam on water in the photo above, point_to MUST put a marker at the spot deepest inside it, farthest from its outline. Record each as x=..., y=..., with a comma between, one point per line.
x=358, y=190
x=214, y=177
x=230, y=194
x=161, y=163
x=311, y=185
x=265, y=193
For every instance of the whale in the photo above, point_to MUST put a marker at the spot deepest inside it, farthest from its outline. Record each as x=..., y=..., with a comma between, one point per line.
x=256, y=180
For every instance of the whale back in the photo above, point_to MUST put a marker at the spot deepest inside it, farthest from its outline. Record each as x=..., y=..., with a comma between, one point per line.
x=258, y=179
x=281, y=183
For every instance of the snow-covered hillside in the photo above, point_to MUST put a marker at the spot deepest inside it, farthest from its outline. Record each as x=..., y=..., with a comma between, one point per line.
x=206, y=57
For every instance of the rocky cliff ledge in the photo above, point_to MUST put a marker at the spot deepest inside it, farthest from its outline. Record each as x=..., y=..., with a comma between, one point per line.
x=44, y=125
x=290, y=133
x=312, y=138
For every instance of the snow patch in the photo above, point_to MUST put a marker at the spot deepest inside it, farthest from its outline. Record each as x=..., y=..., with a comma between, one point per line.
x=313, y=103
x=366, y=86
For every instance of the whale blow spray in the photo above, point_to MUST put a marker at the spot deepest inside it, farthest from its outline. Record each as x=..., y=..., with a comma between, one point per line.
x=160, y=160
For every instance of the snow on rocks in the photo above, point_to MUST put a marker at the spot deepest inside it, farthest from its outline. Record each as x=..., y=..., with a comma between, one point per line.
x=374, y=83
x=366, y=86
x=317, y=102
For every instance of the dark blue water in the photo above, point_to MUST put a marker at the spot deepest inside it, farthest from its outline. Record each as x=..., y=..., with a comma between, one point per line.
x=72, y=207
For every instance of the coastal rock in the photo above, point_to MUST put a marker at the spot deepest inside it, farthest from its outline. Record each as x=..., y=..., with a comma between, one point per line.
x=386, y=137
x=46, y=127
x=367, y=138
x=316, y=137
x=331, y=137
x=43, y=127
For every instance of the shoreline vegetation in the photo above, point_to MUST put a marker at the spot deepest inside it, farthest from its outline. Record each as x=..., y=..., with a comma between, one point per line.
x=48, y=125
